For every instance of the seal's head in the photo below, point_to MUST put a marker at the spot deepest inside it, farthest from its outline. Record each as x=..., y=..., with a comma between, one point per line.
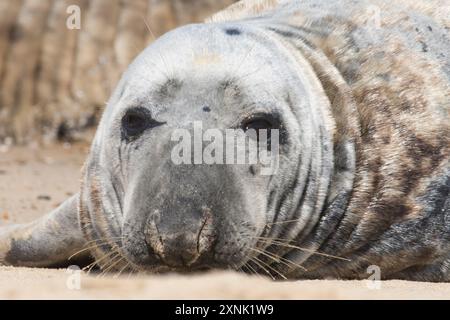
x=168, y=215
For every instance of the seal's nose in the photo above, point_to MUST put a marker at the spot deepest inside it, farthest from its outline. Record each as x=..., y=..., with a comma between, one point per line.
x=179, y=250
x=181, y=247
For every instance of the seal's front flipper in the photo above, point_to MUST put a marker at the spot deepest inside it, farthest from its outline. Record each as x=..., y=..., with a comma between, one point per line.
x=46, y=242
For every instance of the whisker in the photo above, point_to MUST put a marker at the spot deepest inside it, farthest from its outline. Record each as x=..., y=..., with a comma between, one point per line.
x=86, y=249
x=104, y=239
x=99, y=243
x=159, y=52
x=133, y=271
x=252, y=73
x=111, y=257
x=255, y=261
x=271, y=268
x=280, y=259
x=239, y=66
x=233, y=267
x=252, y=270
x=277, y=242
x=93, y=264
x=114, y=259
x=122, y=270
x=282, y=222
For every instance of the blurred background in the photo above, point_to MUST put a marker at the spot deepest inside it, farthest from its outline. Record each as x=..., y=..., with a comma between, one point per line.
x=55, y=80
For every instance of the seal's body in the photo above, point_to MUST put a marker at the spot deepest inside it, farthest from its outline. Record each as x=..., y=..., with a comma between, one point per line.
x=360, y=92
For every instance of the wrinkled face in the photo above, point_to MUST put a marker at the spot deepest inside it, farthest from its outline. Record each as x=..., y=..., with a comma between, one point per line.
x=197, y=214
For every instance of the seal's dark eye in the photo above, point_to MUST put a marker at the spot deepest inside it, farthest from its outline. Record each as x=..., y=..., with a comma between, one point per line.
x=257, y=124
x=253, y=128
x=264, y=128
x=136, y=121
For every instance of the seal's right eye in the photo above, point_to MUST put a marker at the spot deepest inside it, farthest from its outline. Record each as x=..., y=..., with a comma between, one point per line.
x=136, y=121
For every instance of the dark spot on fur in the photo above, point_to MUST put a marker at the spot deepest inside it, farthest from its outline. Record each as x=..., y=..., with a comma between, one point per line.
x=226, y=84
x=424, y=46
x=233, y=32
x=169, y=88
x=271, y=198
x=386, y=139
x=206, y=109
x=392, y=208
x=410, y=178
x=418, y=148
x=230, y=87
x=319, y=31
x=374, y=165
x=384, y=76
x=350, y=71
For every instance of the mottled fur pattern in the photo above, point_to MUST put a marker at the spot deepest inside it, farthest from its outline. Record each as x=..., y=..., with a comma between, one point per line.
x=364, y=178
x=398, y=72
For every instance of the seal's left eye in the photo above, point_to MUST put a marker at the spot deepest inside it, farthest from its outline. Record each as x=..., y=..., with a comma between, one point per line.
x=136, y=121
x=257, y=124
x=264, y=128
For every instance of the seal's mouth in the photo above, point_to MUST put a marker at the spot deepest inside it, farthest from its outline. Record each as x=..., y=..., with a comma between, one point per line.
x=227, y=255
x=183, y=270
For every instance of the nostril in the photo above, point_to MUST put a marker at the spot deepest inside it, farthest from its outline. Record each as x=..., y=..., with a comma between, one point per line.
x=153, y=237
x=205, y=237
x=185, y=246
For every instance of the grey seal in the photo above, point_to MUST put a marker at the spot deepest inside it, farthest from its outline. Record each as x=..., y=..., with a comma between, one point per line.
x=363, y=178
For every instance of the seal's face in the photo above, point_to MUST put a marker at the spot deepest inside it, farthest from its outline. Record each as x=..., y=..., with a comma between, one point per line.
x=188, y=216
